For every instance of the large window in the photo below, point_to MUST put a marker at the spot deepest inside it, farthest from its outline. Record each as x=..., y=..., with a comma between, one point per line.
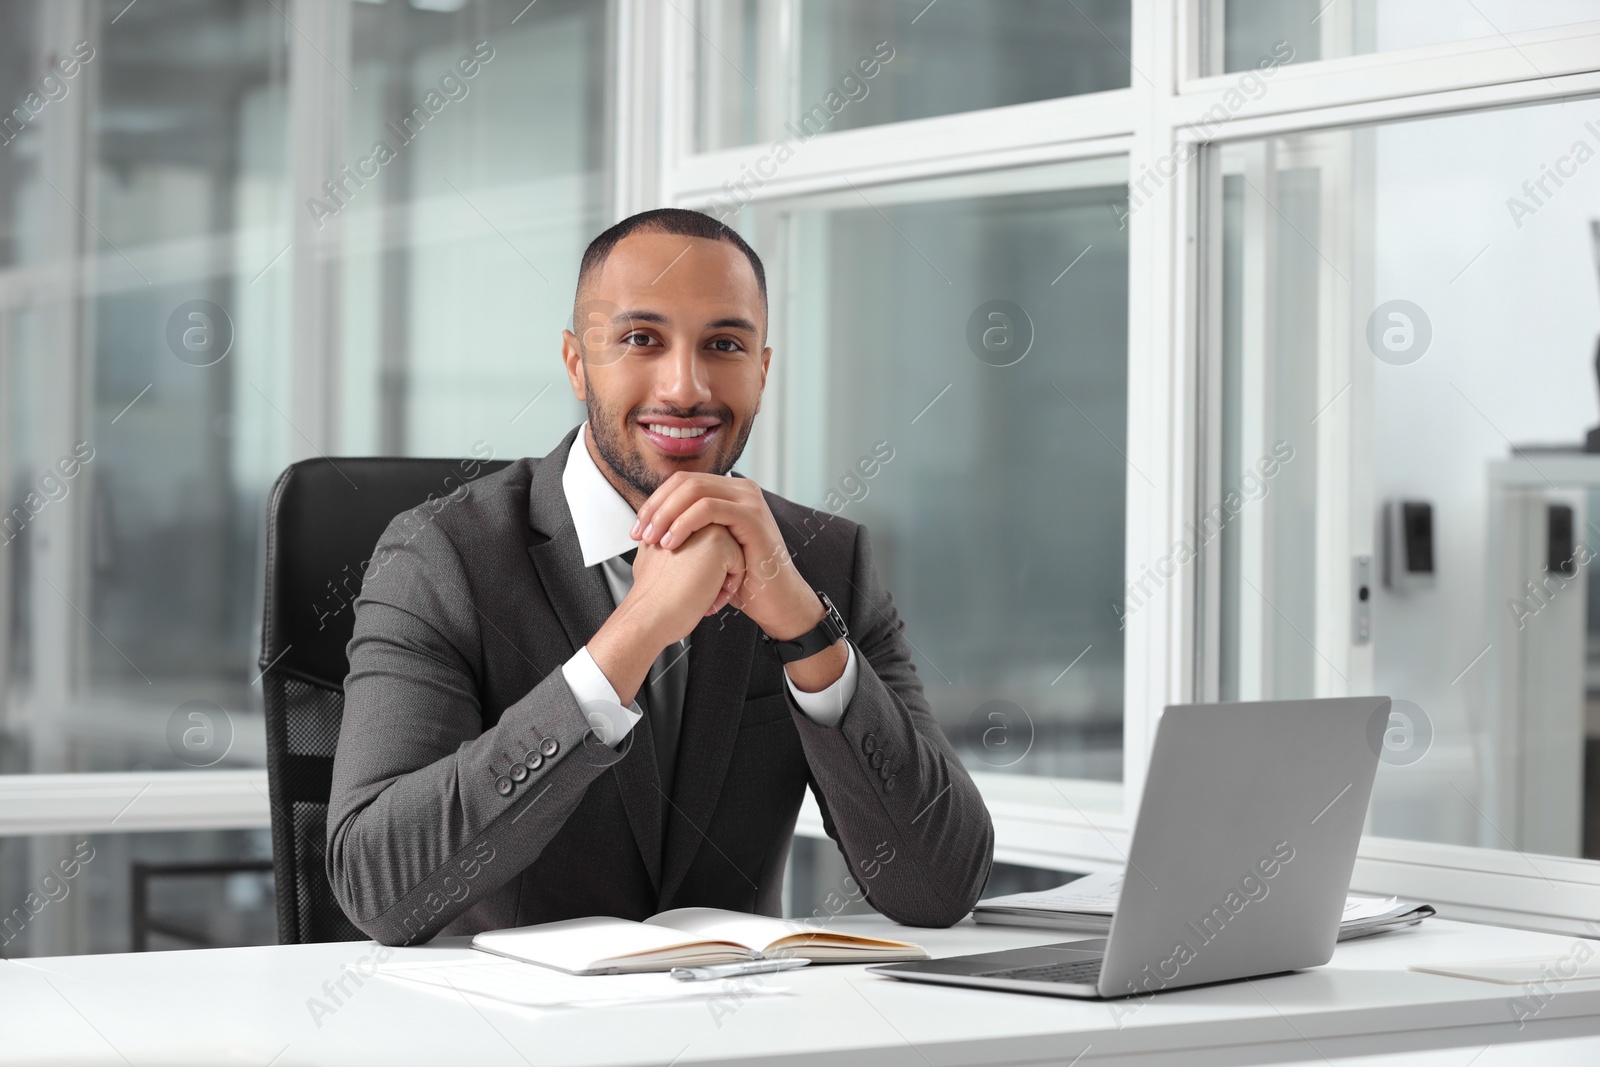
x=430, y=251
x=1142, y=336
x=235, y=235
x=143, y=377
x=954, y=376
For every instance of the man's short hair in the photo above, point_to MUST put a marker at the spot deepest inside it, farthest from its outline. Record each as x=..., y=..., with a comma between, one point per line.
x=673, y=220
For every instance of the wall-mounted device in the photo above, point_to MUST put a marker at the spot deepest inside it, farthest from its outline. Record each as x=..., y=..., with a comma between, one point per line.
x=1361, y=614
x=1592, y=444
x=1560, y=550
x=1407, y=545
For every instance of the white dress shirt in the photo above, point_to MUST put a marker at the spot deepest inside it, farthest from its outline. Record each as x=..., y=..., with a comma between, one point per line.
x=603, y=518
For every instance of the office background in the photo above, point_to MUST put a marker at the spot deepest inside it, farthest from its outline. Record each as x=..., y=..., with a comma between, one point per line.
x=1113, y=283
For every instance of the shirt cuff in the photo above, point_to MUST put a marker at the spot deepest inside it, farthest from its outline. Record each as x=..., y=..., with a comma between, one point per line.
x=609, y=720
x=826, y=706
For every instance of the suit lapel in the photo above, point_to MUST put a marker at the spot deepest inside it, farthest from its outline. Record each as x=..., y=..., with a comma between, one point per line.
x=582, y=602
x=720, y=653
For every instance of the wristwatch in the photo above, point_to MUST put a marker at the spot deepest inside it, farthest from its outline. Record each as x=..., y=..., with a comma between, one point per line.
x=822, y=636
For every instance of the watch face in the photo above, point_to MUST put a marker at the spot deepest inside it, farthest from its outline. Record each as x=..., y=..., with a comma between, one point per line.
x=833, y=620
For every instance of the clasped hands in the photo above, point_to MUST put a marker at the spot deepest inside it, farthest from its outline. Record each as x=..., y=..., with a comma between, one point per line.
x=707, y=541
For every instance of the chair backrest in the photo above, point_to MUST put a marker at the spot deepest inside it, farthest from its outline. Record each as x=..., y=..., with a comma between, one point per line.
x=323, y=520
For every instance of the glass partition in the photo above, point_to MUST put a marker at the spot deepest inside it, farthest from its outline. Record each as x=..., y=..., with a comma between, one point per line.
x=147, y=198
x=1400, y=500
x=117, y=892
x=473, y=168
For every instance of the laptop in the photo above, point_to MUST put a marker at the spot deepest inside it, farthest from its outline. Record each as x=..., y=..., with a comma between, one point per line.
x=1239, y=863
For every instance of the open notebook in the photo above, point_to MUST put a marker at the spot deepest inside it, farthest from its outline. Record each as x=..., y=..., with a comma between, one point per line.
x=684, y=937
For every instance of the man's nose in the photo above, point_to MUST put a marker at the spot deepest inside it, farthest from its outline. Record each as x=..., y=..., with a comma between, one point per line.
x=681, y=379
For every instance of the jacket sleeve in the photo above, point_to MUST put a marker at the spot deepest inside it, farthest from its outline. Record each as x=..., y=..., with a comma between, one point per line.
x=912, y=826
x=430, y=811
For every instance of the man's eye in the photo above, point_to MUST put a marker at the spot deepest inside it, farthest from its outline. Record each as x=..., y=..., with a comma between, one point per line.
x=638, y=338
x=727, y=344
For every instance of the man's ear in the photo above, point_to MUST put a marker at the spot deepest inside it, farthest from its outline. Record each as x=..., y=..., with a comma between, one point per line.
x=766, y=364
x=572, y=359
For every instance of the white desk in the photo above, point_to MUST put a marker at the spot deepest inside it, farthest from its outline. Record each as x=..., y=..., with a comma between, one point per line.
x=249, y=1006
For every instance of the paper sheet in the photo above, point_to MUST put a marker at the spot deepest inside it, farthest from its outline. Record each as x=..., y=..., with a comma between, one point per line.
x=1093, y=894
x=1096, y=894
x=1552, y=971
x=527, y=985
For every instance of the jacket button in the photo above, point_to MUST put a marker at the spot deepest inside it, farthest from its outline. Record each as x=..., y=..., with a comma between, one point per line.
x=519, y=773
x=883, y=772
x=876, y=759
x=535, y=761
x=503, y=786
x=869, y=744
x=888, y=784
x=549, y=746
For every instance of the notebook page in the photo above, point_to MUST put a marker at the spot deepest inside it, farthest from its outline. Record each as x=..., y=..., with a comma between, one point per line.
x=760, y=932
x=753, y=931
x=586, y=944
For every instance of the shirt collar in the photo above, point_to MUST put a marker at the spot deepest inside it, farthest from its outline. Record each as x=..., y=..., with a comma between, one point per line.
x=600, y=514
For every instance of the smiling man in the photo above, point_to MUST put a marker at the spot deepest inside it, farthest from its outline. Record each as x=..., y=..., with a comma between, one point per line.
x=601, y=682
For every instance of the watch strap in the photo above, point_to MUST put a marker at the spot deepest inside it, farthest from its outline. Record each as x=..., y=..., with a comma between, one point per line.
x=819, y=637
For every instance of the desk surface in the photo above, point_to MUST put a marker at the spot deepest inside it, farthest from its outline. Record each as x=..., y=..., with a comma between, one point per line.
x=250, y=1006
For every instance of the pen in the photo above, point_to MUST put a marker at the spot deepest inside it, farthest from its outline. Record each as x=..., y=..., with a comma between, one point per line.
x=736, y=970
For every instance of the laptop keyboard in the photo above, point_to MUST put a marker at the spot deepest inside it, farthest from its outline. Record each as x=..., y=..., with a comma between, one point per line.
x=1079, y=972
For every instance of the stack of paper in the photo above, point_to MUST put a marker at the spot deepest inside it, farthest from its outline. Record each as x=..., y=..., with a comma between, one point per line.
x=1374, y=915
x=1087, y=905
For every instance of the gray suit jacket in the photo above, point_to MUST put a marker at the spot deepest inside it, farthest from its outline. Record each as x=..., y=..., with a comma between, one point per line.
x=464, y=620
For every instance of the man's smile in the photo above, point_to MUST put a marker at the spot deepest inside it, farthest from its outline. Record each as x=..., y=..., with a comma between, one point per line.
x=678, y=437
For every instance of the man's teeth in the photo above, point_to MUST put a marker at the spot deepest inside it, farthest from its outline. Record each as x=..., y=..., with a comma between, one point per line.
x=675, y=431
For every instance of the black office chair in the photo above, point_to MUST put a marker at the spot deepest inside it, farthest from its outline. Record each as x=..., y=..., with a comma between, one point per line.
x=323, y=520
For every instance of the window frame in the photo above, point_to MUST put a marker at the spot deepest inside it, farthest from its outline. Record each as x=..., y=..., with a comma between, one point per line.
x=1160, y=121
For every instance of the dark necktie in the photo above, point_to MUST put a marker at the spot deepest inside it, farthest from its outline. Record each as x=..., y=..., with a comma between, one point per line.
x=662, y=697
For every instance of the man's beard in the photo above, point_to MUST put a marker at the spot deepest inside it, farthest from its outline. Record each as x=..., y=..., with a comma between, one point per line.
x=615, y=447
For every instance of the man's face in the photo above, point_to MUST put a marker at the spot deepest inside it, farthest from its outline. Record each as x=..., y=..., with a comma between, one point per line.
x=668, y=357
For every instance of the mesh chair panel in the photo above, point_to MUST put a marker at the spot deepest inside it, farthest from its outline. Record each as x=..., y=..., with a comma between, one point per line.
x=321, y=919
x=306, y=719
x=313, y=714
